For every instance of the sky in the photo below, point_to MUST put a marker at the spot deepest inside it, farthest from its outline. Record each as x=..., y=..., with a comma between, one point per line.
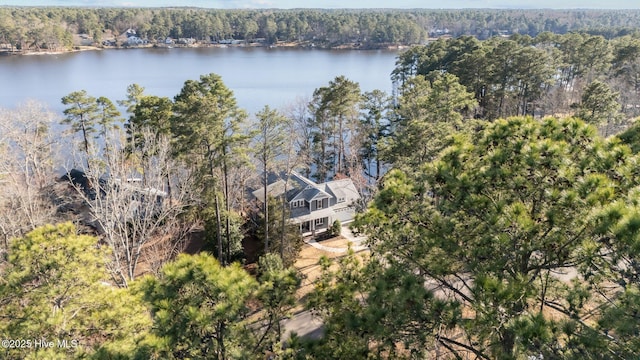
x=288, y=4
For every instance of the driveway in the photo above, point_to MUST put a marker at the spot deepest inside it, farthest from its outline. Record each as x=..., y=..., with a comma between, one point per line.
x=304, y=324
x=357, y=242
x=348, y=234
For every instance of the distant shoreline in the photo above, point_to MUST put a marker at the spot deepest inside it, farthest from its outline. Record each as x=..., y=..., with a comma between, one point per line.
x=48, y=52
x=7, y=52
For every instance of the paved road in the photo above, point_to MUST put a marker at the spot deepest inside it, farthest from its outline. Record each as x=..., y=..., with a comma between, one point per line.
x=304, y=324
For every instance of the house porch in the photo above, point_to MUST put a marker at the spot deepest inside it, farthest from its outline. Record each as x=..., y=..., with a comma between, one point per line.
x=315, y=225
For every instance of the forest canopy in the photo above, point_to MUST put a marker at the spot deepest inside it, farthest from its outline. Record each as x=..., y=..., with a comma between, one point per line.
x=26, y=28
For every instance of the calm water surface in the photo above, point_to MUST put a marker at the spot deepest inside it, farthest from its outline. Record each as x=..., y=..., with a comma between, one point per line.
x=257, y=76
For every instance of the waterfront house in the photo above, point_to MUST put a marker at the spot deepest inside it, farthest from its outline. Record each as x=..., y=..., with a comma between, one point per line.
x=135, y=41
x=314, y=207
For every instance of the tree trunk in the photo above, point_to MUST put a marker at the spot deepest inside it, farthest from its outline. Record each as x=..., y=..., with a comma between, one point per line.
x=340, y=145
x=227, y=203
x=265, y=205
x=86, y=144
x=168, y=179
x=216, y=202
x=507, y=344
x=283, y=222
x=219, y=229
x=524, y=100
x=322, y=167
x=222, y=352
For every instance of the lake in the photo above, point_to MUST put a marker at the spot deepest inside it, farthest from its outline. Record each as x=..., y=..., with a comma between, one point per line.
x=257, y=76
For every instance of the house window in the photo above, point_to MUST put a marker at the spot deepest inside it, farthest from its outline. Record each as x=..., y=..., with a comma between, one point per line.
x=319, y=204
x=297, y=203
x=341, y=200
x=320, y=221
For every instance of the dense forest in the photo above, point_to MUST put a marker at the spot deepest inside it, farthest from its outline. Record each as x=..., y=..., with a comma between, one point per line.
x=499, y=192
x=53, y=28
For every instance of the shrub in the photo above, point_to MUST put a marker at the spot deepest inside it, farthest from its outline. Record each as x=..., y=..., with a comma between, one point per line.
x=336, y=228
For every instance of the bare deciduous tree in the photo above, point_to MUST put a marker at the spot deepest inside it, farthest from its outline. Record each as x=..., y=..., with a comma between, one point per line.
x=299, y=113
x=129, y=204
x=27, y=156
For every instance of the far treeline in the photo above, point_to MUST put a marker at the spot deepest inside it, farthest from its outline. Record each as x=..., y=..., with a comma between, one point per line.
x=53, y=28
x=499, y=200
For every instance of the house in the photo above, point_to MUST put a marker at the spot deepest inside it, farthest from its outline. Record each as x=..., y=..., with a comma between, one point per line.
x=313, y=206
x=129, y=193
x=134, y=41
x=186, y=41
x=130, y=32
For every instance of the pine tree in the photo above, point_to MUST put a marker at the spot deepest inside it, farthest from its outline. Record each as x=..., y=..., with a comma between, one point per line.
x=270, y=143
x=206, y=128
x=335, y=112
x=490, y=224
x=198, y=310
x=82, y=115
x=55, y=288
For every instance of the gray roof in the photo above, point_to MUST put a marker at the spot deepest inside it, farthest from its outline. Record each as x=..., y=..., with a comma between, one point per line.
x=301, y=188
x=318, y=214
x=343, y=188
x=311, y=193
x=275, y=189
x=296, y=183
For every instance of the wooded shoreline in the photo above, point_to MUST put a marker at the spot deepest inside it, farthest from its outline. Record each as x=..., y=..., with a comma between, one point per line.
x=5, y=52
x=33, y=29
